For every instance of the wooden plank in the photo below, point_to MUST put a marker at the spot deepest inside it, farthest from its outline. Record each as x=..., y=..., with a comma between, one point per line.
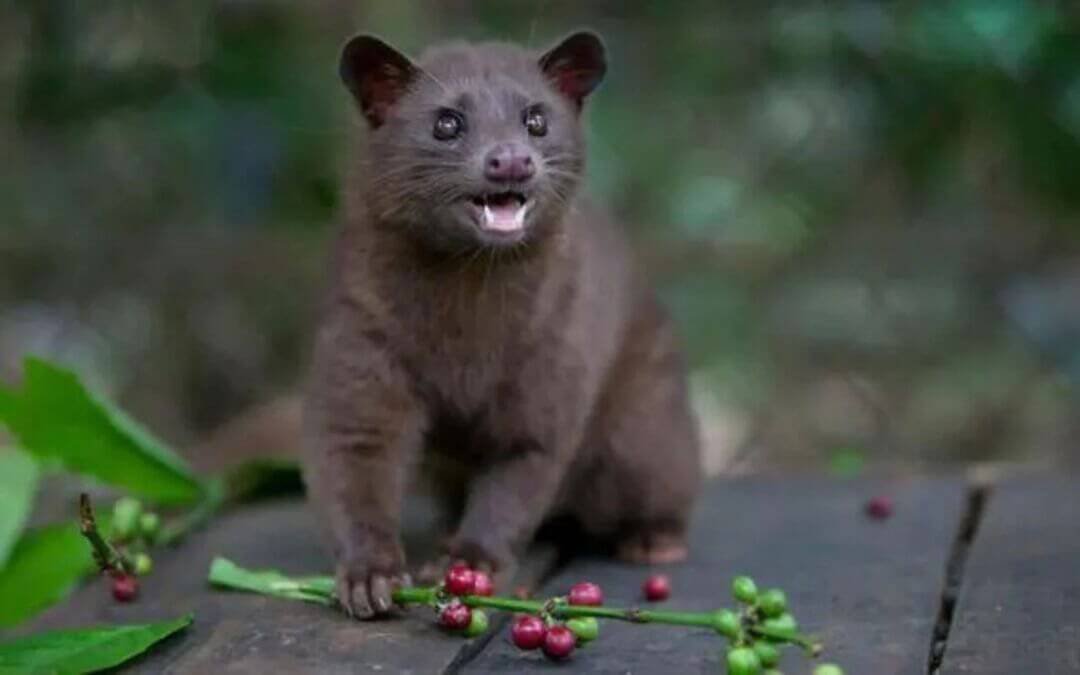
x=244, y=633
x=1018, y=609
x=869, y=589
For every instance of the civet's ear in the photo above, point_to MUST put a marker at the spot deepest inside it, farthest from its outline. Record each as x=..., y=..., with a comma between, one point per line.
x=576, y=65
x=376, y=74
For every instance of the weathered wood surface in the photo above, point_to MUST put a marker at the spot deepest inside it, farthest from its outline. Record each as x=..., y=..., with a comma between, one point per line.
x=869, y=589
x=244, y=633
x=1019, y=604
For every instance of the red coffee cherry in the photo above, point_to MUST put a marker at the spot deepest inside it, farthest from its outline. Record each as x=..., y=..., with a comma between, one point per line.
x=586, y=593
x=559, y=642
x=482, y=584
x=455, y=616
x=657, y=587
x=460, y=580
x=528, y=632
x=125, y=587
x=879, y=508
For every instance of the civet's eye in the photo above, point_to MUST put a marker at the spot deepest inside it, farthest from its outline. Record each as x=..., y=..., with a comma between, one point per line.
x=448, y=125
x=535, y=121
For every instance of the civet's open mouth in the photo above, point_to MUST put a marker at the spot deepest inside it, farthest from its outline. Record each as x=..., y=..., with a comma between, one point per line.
x=501, y=211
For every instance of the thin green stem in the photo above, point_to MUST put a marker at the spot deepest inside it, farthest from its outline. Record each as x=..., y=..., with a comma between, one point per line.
x=196, y=518
x=407, y=596
x=415, y=595
x=636, y=615
x=429, y=595
x=321, y=589
x=787, y=636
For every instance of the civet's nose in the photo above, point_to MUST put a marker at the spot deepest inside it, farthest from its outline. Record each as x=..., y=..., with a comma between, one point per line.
x=509, y=163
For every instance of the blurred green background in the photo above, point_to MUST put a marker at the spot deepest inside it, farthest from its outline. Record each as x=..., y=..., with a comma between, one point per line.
x=864, y=215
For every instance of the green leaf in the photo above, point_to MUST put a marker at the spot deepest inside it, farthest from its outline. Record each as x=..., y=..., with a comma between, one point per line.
x=44, y=567
x=70, y=652
x=18, y=483
x=225, y=573
x=55, y=418
x=7, y=403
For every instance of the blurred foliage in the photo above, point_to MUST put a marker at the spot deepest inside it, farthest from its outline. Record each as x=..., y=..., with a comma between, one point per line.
x=864, y=215
x=46, y=565
x=18, y=486
x=58, y=422
x=86, y=650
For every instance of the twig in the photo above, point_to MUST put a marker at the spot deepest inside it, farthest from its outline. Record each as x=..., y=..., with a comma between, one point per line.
x=107, y=557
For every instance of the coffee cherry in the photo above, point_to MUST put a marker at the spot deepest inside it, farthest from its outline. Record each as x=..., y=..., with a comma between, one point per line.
x=657, y=587
x=767, y=654
x=125, y=517
x=143, y=564
x=828, y=669
x=559, y=642
x=879, y=508
x=784, y=623
x=586, y=593
x=772, y=602
x=743, y=661
x=459, y=580
x=528, y=632
x=744, y=589
x=478, y=624
x=771, y=671
x=149, y=523
x=584, y=628
x=125, y=587
x=455, y=616
x=482, y=584
x=727, y=623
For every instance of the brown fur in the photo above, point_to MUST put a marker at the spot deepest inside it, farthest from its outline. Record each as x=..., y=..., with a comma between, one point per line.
x=547, y=368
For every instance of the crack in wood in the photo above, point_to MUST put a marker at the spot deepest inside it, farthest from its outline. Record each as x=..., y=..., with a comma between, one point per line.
x=975, y=506
x=475, y=647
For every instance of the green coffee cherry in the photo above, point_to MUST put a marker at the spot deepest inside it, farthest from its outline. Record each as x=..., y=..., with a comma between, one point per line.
x=767, y=654
x=584, y=628
x=743, y=661
x=784, y=623
x=744, y=589
x=727, y=623
x=478, y=624
x=143, y=564
x=125, y=519
x=828, y=669
x=772, y=671
x=149, y=524
x=772, y=602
